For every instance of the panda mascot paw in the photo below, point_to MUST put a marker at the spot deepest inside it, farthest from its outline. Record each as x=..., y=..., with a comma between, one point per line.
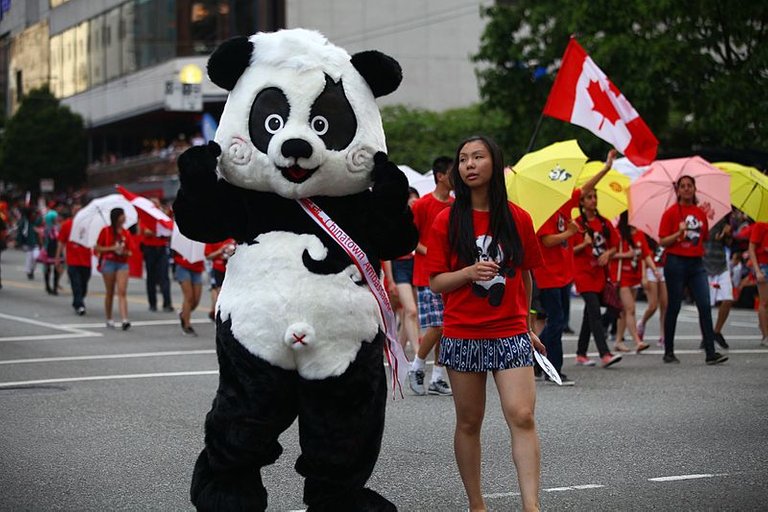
x=390, y=186
x=298, y=332
x=197, y=167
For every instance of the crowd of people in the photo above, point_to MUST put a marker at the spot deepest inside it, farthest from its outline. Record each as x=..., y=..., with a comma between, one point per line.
x=42, y=230
x=483, y=289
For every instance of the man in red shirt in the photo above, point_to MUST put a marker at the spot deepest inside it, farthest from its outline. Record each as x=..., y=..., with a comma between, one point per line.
x=78, y=259
x=430, y=304
x=555, y=277
x=155, y=250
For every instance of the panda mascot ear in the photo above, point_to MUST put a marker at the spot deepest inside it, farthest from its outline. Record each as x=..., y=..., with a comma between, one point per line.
x=229, y=61
x=382, y=73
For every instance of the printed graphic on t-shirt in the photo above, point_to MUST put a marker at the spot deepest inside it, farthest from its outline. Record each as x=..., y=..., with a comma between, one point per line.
x=599, y=244
x=693, y=229
x=636, y=252
x=494, y=288
x=657, y=254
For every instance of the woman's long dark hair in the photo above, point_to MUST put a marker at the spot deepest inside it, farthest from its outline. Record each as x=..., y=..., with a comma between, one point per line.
x=624, y=229
x=115, y=214
x=461, y=232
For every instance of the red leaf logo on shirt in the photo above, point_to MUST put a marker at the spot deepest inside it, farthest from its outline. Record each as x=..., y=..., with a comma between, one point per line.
x=602, y=104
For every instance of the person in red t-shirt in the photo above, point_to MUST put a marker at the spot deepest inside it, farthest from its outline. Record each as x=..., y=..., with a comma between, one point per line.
x=758, y=255
x=593, y=248
x=480, y=255
x=683, y=229
x=190, y=277
x=154, y=248
x=430, y=304
x=218, y=254
x=627, y=270
x=555, y=276
x=78, y=260
x=113, y=249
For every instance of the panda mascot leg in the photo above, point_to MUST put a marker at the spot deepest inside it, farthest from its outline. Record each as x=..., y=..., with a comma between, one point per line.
x=341, y=423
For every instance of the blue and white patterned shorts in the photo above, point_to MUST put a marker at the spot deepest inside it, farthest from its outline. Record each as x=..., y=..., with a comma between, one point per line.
x=430, y=307
x=486, y=354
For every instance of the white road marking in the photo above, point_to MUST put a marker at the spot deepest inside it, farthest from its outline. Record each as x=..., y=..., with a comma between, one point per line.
x=110, y=356
x=45, y=337
x=107, y=377
x=139, y=323
x=55, y=327
x=652, y=338
x=660, y=352
x=549, y=489
x=685, y=477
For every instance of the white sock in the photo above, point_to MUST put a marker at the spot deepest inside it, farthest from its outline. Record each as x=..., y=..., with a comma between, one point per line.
x=438, y=373
x=418, y=364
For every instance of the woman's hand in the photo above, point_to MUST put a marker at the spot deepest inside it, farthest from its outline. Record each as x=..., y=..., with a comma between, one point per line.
x=482, y=271
x=538, y=346
x=603, y=259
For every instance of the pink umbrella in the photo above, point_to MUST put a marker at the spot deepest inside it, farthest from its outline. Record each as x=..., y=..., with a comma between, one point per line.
x=652, y=193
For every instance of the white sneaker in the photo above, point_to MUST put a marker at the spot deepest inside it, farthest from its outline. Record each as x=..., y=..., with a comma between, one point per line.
x=764, y=342
x=416, y=382
x=440, y=387
x=110, y=324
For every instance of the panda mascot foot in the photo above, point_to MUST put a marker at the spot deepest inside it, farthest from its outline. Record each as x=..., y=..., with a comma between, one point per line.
x=364, y=500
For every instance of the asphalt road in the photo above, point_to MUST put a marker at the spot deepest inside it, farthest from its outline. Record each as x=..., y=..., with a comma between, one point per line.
x=93, y=419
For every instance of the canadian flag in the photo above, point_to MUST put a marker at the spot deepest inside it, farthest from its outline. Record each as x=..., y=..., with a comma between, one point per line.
x=149, y=215
x=583, y=95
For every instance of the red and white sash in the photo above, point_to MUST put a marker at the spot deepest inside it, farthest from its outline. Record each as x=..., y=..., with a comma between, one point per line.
x=398, y=362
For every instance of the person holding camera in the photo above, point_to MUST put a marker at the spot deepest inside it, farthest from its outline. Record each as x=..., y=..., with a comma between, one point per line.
x=113, y=250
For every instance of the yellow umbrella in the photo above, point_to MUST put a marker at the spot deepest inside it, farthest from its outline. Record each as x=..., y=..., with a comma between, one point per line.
x=749, y=189
x=611, y=190
x=542, y=181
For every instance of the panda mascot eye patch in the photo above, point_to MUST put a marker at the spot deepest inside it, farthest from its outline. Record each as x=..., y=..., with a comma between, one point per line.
x=269, y=112
x=332, y=117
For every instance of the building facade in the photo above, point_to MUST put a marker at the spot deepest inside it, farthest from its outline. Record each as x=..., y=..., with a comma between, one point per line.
x=134, y=69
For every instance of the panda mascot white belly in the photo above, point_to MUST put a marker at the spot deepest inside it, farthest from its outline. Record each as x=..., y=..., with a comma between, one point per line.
x=298, y=331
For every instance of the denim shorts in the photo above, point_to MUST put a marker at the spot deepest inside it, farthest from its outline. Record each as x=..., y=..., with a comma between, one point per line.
x=486, y=354
x=430, y=308
x=111, y=266
x=184, y=274
x=402, y=271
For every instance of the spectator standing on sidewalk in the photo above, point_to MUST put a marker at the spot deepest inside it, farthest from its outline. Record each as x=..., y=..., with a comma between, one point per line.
x=479, y=257
x=78, y=260
x=430, y=303
x=683, y=228
x=28, y=238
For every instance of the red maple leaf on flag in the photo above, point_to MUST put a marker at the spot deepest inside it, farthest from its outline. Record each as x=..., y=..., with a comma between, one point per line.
x=602, y=103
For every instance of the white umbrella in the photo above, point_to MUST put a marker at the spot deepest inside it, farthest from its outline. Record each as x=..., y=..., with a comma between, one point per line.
x=89, y=221
x=423, y=183
x=189, y=249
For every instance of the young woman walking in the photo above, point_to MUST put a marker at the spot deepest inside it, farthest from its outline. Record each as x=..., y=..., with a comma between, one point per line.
x=113, y=250
x=683, y=229
x=479, y=257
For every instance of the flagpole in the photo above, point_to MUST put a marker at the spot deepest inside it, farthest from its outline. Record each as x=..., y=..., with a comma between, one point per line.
x=535, y=133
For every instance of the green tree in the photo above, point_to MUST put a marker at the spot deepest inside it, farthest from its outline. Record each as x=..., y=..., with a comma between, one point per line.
x=415, y=137
x=697, y=72
x=43, y=139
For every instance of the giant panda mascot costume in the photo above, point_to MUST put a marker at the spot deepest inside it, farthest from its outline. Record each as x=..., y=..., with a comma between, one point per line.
x=298, y=331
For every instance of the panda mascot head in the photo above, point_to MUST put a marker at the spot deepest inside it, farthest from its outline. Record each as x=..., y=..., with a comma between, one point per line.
x=301, y=119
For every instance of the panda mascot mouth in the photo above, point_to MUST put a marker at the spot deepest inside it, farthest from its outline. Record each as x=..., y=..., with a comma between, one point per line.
x=296, y=173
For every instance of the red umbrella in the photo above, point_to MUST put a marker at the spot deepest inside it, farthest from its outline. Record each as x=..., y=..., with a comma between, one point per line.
x=652, y=193
x=150, y=215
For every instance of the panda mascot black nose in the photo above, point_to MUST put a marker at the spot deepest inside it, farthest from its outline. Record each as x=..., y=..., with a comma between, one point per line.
x=296, y=148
